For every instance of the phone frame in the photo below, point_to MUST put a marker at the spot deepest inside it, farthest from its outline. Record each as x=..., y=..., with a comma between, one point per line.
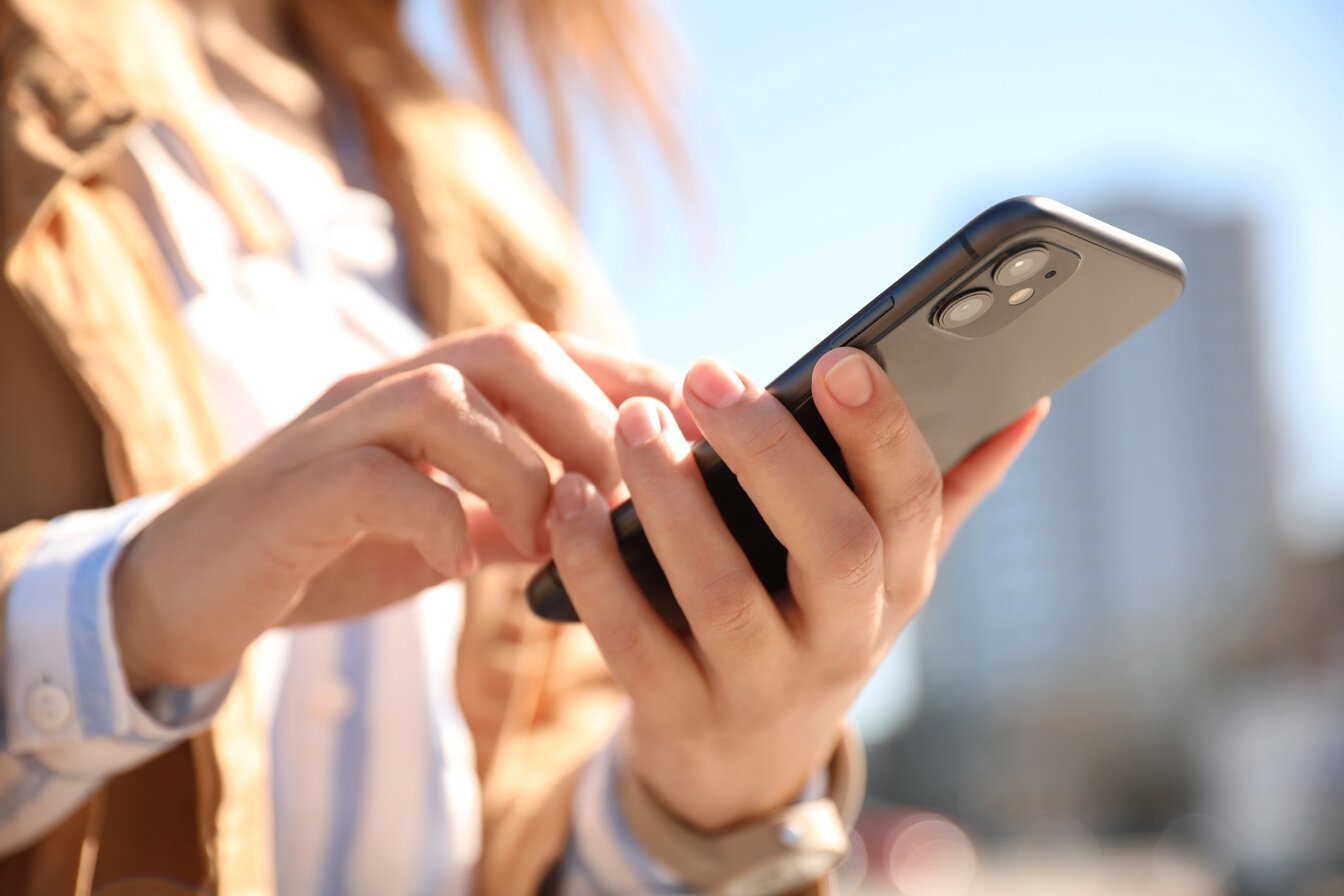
x=917, y=290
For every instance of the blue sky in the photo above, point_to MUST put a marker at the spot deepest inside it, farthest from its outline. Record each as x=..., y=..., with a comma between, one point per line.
x=838, y=142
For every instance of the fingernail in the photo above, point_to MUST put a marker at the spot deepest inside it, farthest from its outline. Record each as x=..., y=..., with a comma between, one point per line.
x=850, y=382
x=640, y=422
x=570, y=496
x=714, y=384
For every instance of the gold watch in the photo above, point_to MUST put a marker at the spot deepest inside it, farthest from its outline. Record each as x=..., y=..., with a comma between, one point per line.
x=780, y=853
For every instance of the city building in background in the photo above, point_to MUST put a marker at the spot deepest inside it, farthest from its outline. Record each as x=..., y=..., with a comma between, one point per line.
x=1082, y=657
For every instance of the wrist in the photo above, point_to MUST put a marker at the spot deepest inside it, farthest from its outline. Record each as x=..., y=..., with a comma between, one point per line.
x=776, y=852
x=138, y=640
x=715, y=789
x=151, y=640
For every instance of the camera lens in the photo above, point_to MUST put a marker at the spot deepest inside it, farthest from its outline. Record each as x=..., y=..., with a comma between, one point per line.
x=961, y=311
x=1021, y=266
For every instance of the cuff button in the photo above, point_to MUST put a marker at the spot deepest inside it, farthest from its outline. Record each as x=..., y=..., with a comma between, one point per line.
x=48, y=707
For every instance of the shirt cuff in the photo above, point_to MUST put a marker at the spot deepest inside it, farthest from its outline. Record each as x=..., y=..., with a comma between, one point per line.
x=603, y=856
x=65, y=693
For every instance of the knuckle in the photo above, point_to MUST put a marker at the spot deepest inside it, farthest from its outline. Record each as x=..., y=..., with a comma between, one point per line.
x=923, y=497
x=727, y=603
x=525, y=341
x=731, y=617
x=626, y=637
x=895, y=432
x=437, y=385
x=855, y=550
x=425, y=391
x=771, y=438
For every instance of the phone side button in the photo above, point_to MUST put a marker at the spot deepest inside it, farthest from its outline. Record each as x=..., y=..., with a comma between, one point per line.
x=871, y=315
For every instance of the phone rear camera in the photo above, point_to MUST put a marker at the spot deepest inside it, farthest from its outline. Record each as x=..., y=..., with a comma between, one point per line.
x=963, y=310
x=1022, y=266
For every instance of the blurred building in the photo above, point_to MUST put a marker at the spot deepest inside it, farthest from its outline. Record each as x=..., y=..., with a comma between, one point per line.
x=1077, y=643
x=1138, y=526
x=1269, y=740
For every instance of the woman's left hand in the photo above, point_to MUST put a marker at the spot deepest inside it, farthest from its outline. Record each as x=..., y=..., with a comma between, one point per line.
x=731, y=723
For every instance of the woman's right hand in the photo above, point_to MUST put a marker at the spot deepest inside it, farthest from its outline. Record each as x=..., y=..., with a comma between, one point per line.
x=340, y=512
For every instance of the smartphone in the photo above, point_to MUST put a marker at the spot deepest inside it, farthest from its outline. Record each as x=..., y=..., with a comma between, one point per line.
x=1014, y=305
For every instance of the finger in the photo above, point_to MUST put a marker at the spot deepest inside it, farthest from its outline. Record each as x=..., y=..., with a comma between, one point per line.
x=434, y=413
x=623, y=376
x=735, y=623
x=835, y=548
x=488, y=538
x=981, y=471
x=892, y=468
x=375, y=572
x=529, y=377
x=644, y=655
x=321, y=508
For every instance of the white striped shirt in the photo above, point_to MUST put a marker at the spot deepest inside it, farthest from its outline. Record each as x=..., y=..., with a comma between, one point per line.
x=375, y=788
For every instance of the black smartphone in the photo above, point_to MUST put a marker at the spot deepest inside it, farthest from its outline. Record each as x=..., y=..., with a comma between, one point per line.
x=1011, y=307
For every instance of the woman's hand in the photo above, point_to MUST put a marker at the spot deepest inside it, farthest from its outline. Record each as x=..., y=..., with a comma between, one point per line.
x=732, y=723
x=341, y=512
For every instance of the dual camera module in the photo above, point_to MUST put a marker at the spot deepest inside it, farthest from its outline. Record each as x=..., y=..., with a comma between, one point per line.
x=1020, y=276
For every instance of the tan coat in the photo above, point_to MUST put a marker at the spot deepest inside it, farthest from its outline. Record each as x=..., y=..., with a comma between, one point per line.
x=101, y=399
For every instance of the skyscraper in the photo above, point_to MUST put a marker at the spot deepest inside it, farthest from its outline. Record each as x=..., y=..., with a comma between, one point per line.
x=1088, y=595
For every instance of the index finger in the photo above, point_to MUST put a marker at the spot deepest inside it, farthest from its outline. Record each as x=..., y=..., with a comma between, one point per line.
x=623, y=376
x=436, y=414
x=892, y=467
x=528, y=376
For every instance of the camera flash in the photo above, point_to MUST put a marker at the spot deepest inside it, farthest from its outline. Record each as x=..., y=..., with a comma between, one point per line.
x=1021, y=295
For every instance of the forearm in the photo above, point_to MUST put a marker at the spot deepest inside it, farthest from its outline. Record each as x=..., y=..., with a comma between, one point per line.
x=68, y=719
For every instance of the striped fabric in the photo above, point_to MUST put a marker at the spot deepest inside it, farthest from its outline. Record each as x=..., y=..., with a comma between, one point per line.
x=375, y=789
x=51, y=759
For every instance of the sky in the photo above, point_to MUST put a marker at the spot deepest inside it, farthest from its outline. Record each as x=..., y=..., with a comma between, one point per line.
x=837, y=143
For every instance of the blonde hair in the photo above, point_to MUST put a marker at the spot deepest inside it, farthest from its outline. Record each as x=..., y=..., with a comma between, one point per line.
x=618, y=53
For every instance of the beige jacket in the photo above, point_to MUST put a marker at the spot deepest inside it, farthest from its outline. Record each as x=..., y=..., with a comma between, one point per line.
x=101, y=400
